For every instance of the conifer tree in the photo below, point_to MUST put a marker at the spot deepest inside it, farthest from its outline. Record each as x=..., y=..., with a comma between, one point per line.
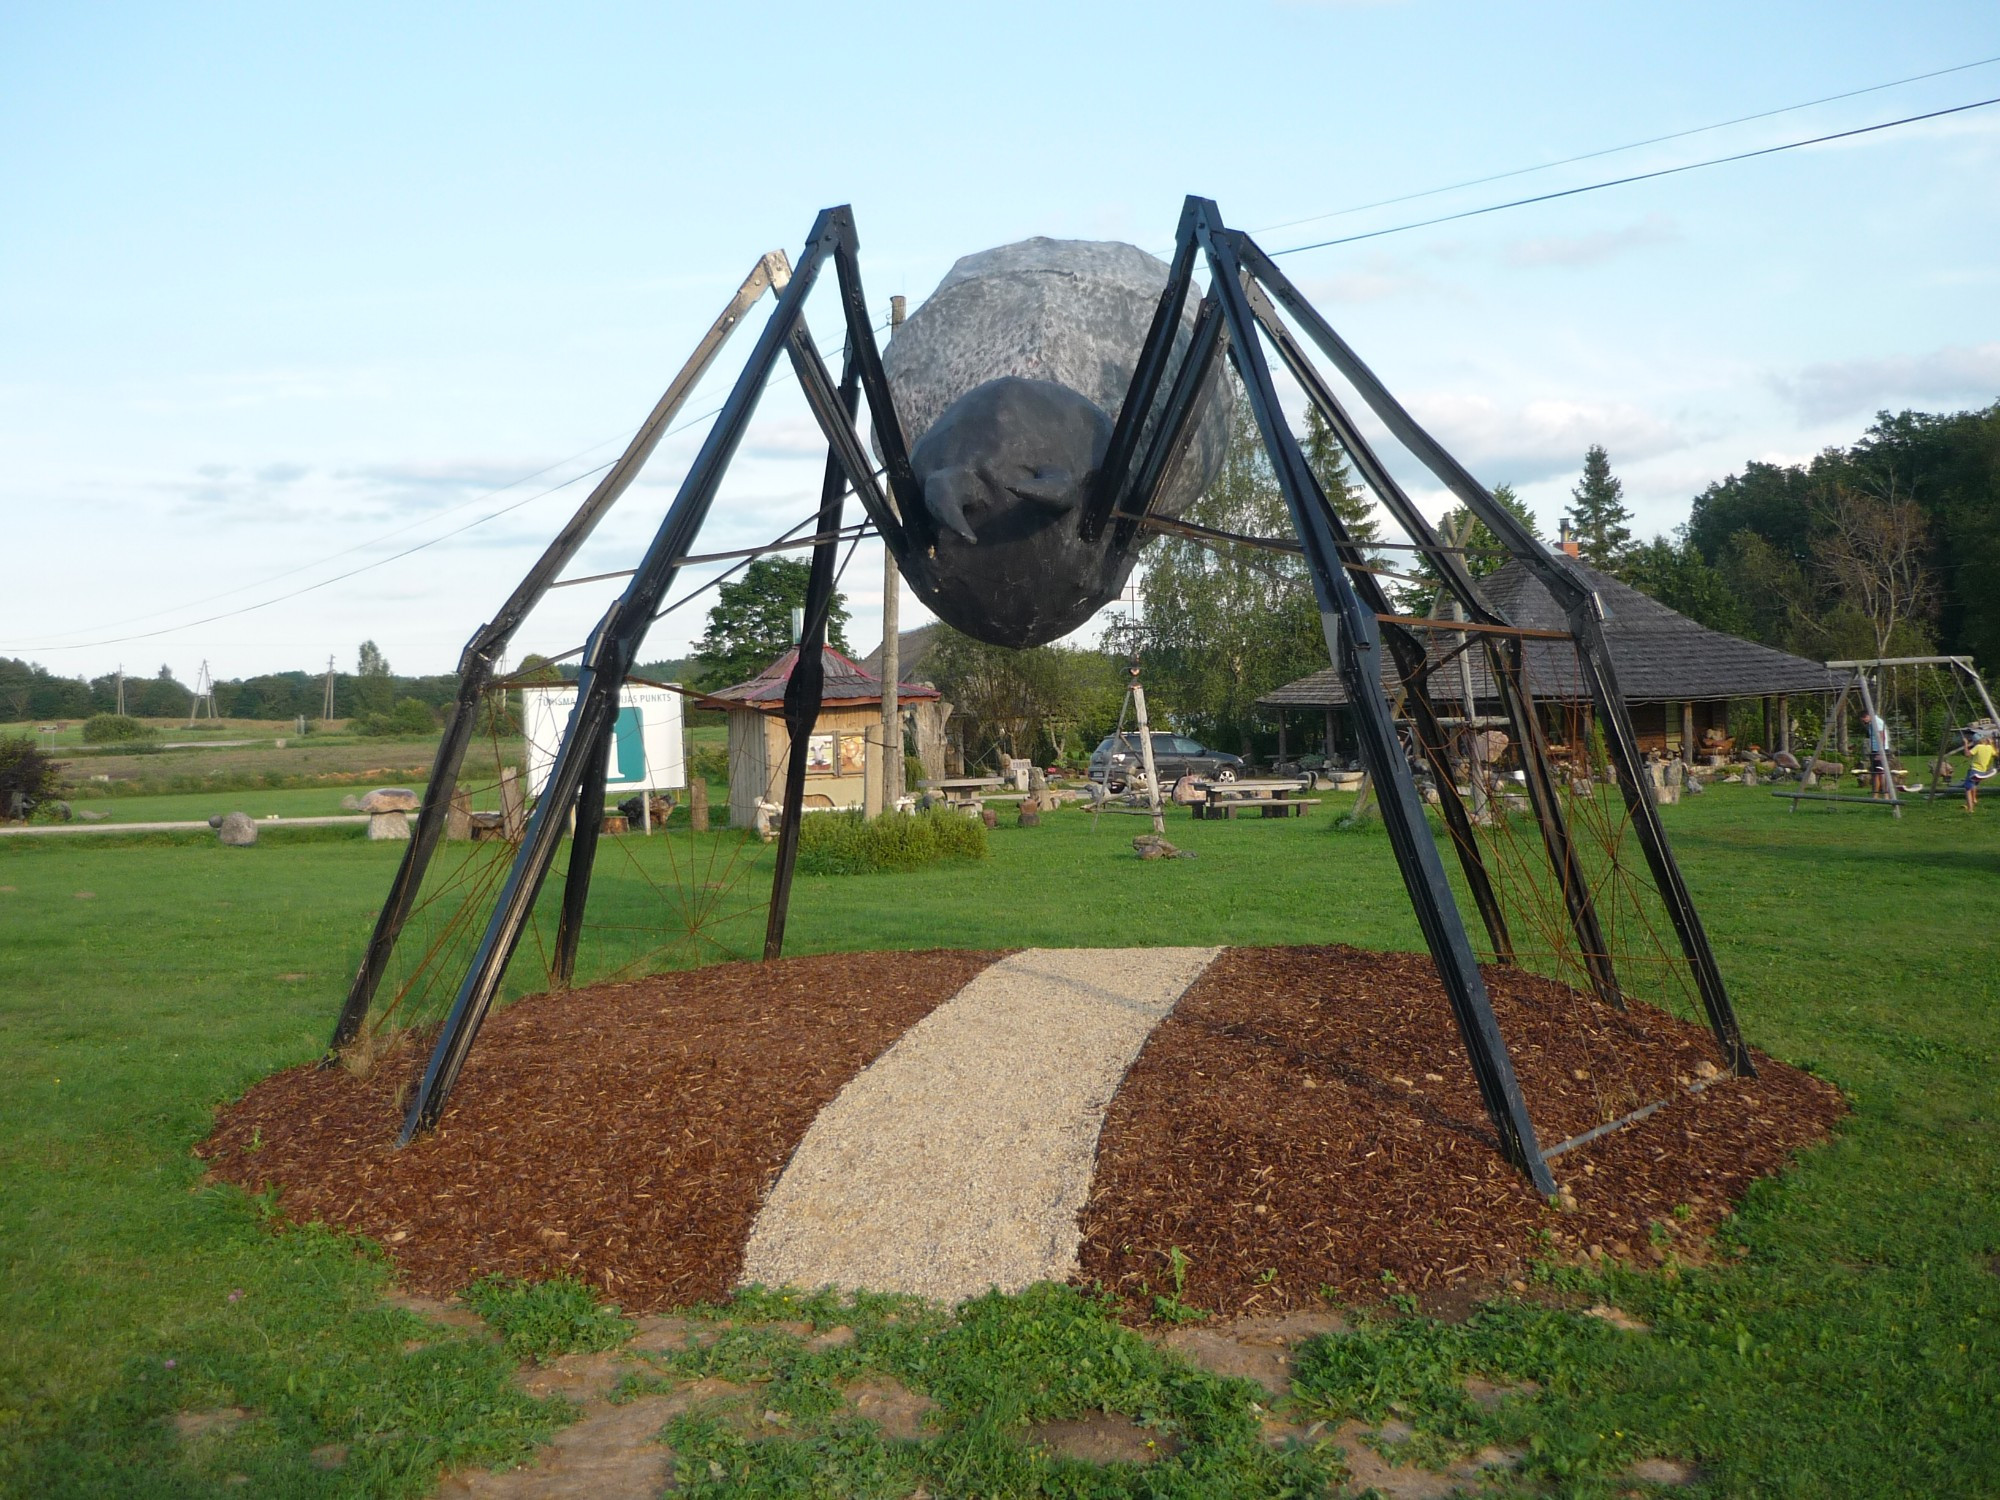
x=1599, y=520
x=1328, y=461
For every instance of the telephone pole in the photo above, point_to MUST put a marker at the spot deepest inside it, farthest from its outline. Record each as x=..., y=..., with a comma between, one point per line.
x=892, y=653
x=121, y=689
x=326, y=702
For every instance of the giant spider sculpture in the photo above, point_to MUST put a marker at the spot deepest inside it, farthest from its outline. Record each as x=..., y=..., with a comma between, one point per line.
x=1016, y=515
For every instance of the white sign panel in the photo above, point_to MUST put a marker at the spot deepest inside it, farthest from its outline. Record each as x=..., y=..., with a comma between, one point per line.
x=646, y=743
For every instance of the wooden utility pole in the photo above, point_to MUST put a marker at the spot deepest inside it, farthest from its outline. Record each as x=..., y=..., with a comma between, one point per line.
x=326, y=703
x=121, y=689
x=892, y=645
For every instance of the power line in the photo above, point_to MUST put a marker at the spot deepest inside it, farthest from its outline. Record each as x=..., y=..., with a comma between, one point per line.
x=230, y=614
x=1873, y=88
x=1713, y=161
x=779, y=379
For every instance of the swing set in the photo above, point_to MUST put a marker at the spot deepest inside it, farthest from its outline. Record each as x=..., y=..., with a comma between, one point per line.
x=1865, y=681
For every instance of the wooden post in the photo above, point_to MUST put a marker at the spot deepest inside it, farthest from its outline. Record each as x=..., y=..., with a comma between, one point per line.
x=1328, y=751
x=698, y=804
x=888, y=783
x=1281, y=734
x=1784, y=723
x=1687, y=733
x=1146, y=755
x=458, y=818
x=513, y=806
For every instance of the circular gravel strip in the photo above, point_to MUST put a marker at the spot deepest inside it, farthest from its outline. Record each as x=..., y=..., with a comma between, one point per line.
x=961, y=1159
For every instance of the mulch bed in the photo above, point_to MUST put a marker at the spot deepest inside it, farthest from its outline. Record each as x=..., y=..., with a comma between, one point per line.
x=623, y=1133
x=1311, y=1112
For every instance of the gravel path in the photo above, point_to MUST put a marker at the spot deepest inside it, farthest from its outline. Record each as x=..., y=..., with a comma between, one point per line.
x=962, y=1158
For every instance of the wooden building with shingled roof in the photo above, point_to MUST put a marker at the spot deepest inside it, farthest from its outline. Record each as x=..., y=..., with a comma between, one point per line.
x=1678, y=678
x=842, y=751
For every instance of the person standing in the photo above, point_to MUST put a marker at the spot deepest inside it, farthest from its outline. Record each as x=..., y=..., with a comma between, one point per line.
x=1979, y=758
x=1878, y=751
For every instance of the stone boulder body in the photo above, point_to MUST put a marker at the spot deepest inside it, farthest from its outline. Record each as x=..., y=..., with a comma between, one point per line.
x=1008, y=381
x=389, y=799
x=237, y=831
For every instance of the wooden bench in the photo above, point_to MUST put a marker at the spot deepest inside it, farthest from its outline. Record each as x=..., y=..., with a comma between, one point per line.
x=1272, y=799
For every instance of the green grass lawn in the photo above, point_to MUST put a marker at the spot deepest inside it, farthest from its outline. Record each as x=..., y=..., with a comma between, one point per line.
x=1853, y=1350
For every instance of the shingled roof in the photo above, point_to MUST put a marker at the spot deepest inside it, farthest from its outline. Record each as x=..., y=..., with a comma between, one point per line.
x=846, y=685
x=1660, y=655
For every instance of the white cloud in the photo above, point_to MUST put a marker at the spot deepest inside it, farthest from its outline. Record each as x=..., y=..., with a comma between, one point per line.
x=1955, y=373
x=1522, y=442
x=1592, y=249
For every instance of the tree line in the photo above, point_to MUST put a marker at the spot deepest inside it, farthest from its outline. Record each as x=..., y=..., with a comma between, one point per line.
x=30, y=691
x=1887, y=547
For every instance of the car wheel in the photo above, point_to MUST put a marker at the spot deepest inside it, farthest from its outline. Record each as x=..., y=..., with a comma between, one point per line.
x=1225, y=773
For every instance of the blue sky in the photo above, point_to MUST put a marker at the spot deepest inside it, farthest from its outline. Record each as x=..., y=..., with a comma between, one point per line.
x=274, y=285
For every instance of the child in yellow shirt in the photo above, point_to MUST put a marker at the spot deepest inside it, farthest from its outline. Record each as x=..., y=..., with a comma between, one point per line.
x=1979, y=760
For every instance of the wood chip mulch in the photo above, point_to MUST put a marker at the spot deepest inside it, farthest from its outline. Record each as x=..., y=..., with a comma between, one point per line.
x=623, y=1133
x=1311, y=1112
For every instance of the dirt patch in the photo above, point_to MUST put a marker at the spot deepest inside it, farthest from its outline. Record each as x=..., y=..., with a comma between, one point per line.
x=1104, y=1438
x=194, y=1425
x=1306, y=1119
x=622, y=1133
x=893, y=1407
x=1255, y=1348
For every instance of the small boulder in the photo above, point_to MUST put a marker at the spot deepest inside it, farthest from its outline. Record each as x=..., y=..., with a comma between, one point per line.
x=1030, y=818
x=989, y=817
x=215, y=821
x=394, y=824
x=237, y=831
x=1152, y=846
x=386, y=799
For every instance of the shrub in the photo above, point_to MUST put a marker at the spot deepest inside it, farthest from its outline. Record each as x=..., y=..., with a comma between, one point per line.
x=845, y=844
x=28, y=772
x=710, y=763
x=115, y=729
x=410, y=716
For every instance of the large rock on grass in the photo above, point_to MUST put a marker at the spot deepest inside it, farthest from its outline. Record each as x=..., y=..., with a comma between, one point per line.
x=389, y=799
x=237, y=831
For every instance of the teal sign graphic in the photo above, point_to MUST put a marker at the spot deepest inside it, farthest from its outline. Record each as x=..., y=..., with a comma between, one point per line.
x=628, y=749
x=645, y=749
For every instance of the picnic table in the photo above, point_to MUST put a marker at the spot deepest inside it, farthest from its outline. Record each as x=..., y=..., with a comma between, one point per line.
x=966, y=792
x=1272, y=799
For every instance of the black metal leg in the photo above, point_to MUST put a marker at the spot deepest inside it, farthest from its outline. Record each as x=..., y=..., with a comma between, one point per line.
x=1572, y=591
x=1546, y=799
x=1636, y=787
x=806, y=686
x=475, y=672
x=489, y=643
x=1464, y=839
x=1354, y=640
x=582, y=858
x=606, y=661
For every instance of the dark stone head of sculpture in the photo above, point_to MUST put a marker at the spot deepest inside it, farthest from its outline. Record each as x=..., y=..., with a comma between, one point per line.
x=1005, y=471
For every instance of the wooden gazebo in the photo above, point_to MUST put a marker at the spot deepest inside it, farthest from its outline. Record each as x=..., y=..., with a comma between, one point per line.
x=1678, y=677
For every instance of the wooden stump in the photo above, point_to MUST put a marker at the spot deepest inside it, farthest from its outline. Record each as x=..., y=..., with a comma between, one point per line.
x=458, y=816
x=513, y=805
x=698, y=804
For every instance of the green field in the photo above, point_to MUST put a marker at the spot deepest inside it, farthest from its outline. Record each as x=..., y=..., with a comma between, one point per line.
x=1854, y=1350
